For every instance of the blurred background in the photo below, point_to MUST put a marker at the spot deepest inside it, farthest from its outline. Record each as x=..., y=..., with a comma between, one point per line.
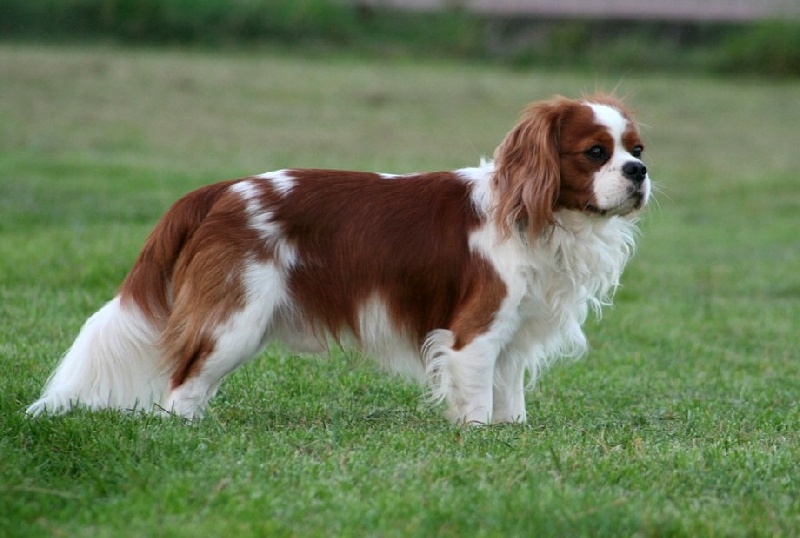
x=718, y=36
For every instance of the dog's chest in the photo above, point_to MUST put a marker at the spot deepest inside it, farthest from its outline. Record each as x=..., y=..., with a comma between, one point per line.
x=558, y=281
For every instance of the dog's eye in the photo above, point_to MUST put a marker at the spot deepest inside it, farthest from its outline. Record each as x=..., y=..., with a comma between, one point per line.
x=637, y=151
x=597, y=153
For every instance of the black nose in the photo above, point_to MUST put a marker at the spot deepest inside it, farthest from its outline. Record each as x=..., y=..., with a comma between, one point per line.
x=635, y=171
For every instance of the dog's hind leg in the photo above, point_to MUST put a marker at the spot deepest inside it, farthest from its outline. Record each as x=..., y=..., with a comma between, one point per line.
x=211, y=340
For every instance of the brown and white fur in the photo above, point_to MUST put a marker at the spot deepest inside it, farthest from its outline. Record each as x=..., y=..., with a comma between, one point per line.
x=466, y=280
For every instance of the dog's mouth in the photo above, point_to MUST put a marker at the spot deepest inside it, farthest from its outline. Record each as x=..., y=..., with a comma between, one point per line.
x=595, y=210
x=632, y=203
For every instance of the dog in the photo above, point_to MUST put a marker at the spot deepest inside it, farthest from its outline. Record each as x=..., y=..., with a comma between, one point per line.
x=469, y=281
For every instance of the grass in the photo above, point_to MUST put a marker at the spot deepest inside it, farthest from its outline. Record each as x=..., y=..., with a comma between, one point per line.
x=683, y=420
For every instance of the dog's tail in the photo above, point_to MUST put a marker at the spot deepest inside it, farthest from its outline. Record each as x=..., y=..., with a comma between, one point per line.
x=112, y=363
x=116, y=360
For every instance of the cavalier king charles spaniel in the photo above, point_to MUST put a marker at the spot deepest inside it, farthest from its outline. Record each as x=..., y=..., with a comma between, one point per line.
x=469, y=281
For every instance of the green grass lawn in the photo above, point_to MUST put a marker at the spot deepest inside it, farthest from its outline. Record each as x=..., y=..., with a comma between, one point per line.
x=683, y=419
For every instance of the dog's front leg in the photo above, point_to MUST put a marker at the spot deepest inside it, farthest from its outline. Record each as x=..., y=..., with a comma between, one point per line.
x=462, y=377
x=509, y=389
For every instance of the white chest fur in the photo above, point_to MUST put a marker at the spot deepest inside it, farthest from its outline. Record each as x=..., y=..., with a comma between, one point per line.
x=553, y=285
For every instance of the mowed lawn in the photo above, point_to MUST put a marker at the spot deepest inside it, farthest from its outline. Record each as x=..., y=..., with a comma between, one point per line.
x=682, y=420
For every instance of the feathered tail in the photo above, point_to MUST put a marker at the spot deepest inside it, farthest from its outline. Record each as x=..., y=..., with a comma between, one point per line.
x=113, y=363
x=116, y=361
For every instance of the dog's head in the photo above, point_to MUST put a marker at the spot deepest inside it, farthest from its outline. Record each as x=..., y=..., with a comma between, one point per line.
x=566, y=154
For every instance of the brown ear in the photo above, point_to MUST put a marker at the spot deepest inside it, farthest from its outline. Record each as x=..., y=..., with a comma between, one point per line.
x=527, y=173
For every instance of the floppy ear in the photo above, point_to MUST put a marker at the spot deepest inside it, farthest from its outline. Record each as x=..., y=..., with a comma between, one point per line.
x=527, y=173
